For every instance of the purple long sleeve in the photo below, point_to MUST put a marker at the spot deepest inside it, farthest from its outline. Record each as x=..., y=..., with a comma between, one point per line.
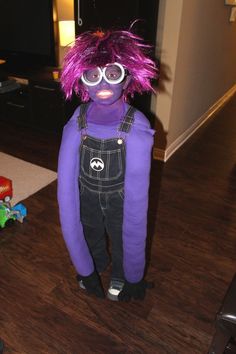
x=68, y=199
x=138, y=157
x=138, y=161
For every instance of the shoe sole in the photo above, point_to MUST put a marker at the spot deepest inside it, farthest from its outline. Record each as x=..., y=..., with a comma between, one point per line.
x=112, y=297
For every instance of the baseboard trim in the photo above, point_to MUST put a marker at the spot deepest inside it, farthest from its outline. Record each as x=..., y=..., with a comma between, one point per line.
x=159, y=154
x=164, y=155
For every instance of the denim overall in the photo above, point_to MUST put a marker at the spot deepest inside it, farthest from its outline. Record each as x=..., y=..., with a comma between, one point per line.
x=101, y=183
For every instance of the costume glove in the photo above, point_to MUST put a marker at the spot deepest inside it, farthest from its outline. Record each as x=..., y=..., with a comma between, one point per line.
x=92, y=284
x=134, y=290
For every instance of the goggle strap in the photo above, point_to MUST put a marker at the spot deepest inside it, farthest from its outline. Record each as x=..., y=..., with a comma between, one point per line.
x=126, y=125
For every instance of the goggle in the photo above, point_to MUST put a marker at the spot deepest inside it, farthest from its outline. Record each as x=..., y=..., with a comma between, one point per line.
x=112, y=73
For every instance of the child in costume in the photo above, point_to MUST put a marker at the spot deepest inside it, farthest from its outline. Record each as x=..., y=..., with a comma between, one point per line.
x=104, y=162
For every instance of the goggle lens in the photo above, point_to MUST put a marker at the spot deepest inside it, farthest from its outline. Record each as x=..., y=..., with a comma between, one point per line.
x=113, y=72
x=92, y=75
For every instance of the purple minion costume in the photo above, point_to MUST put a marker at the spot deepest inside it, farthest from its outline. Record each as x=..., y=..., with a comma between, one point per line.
x=104, y=160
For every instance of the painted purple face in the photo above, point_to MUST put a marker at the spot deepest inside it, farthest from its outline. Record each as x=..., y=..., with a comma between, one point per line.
x=105, y=93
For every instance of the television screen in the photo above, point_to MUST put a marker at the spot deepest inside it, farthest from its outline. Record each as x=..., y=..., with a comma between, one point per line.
x=27, y=32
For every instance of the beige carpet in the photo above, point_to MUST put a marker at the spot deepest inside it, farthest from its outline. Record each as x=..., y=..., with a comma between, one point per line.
x=27, y=178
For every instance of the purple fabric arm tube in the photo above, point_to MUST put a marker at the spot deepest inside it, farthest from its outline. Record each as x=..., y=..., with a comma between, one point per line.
x=68, y=199
x=138, y=162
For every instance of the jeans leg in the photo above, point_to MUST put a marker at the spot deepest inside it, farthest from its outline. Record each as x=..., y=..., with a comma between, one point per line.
x=114, y=223
x=94, y=230
x=96, y=240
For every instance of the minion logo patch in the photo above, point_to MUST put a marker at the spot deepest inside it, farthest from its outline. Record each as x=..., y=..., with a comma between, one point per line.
x=97, y=164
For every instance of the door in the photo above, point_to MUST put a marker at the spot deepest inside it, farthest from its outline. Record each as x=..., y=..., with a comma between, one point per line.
x=93, y=14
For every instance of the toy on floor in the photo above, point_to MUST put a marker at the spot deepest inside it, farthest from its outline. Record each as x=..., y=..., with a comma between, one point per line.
x=7, y=212
x=6, y=190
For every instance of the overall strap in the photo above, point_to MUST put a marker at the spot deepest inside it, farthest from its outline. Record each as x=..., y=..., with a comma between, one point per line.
x=128, y=120
x=82, y=122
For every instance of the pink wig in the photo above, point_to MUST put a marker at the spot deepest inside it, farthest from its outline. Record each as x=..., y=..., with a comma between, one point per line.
x=98, y=49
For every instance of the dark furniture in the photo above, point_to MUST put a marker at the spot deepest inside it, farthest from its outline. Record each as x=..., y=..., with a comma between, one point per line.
x=38, y=102
x=224, y=339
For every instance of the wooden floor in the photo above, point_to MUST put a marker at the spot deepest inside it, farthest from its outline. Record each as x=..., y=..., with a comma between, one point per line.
x=191, y=257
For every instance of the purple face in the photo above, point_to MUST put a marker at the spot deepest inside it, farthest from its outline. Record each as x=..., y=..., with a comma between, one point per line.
x=105, y=93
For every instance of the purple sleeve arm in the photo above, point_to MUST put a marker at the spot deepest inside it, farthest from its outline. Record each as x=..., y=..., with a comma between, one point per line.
x=68, y=199
x=138, y=162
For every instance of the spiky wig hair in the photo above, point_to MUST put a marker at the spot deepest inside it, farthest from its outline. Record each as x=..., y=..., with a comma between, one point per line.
x=99, y=48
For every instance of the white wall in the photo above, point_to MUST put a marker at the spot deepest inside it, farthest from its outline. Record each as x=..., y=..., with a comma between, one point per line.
x=196, y=42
